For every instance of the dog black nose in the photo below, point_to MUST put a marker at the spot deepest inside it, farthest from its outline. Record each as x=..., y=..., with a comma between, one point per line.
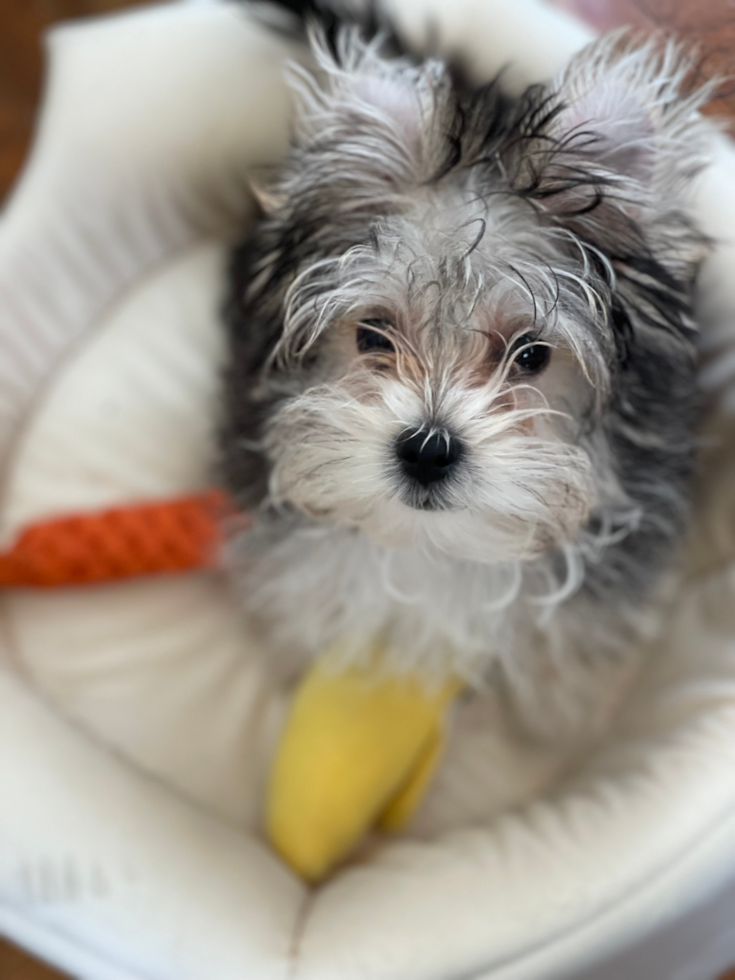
x=427, y=457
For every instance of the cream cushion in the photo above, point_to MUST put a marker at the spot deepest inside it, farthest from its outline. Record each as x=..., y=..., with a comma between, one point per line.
x=137, y=720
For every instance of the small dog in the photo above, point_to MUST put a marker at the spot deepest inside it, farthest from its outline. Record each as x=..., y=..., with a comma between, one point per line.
x=461, y=394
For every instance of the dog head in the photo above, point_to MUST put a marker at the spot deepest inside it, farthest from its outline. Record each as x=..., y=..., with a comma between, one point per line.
x=461, y=314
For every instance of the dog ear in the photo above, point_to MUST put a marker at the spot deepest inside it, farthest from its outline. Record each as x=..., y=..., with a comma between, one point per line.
x=364, y=110
x=617, y=128
x=611, y=112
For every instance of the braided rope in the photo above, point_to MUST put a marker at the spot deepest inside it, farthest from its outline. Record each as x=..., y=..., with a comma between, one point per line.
x=172, y=536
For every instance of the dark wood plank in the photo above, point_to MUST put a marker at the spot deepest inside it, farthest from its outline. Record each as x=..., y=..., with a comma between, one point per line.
x=17, y=965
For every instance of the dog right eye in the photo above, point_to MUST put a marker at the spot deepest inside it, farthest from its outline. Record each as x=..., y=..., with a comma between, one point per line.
x=530, y=357
x=372, y=337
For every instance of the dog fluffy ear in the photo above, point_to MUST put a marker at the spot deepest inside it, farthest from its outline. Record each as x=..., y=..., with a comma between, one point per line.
x=619, y=126
x=612, y=126
x=364, y=109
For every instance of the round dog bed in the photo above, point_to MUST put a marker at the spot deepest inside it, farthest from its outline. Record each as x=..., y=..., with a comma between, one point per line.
x=137, y=719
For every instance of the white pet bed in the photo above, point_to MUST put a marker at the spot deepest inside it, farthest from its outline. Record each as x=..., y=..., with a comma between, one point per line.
x=136, y=720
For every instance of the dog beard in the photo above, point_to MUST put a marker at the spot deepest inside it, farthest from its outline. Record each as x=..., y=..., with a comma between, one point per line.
x=514, y=498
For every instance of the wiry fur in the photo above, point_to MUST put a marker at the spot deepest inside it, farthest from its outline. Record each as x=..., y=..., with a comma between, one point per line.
x=465, y=220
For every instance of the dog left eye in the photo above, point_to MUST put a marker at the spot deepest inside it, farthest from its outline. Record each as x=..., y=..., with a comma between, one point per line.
x=529, y=356
x=372, y=336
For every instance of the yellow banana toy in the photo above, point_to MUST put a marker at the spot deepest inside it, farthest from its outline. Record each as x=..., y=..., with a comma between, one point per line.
x=357, y=752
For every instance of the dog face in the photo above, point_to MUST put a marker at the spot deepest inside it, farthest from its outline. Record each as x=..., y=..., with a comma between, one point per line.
x=446, y=399
x=445, y=321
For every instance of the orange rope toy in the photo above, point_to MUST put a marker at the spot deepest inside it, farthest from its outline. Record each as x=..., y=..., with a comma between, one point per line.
x=155, y=538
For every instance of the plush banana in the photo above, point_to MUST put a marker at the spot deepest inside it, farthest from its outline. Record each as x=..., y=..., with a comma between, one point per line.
x=358, y=751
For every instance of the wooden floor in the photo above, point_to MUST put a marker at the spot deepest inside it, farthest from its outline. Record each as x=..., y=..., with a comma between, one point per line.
x=711, y=23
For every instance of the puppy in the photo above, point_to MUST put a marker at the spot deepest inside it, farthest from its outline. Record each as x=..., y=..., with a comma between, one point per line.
x=461, y=396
